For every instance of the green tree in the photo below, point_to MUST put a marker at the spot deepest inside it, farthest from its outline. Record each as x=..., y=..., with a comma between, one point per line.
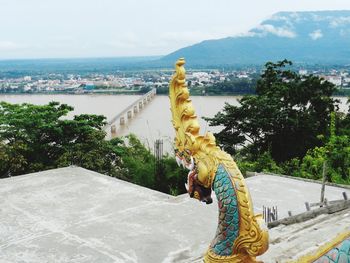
x=336, y=154
x=234, y=86
x=343, y=122
x=264, y=163
x=144, y=89
x=175, y=177
x=35, y=138
x=138, y=162
x=285, y=117
x=139, y=168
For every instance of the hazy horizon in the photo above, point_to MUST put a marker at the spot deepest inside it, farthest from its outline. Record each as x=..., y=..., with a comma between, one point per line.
x=82, y=58
x=39, y=29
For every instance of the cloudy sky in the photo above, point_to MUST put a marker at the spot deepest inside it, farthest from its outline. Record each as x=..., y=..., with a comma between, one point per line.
x=104, y=28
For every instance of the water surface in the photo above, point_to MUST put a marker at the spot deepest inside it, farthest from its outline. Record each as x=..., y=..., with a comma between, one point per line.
x=151, y=123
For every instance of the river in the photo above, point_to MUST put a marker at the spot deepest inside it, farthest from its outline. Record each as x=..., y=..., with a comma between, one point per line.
x=151, y=123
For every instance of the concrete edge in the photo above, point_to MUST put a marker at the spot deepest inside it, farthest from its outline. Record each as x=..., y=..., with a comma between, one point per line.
x=304, y=179
x=124, y=182
x=342, y=205
x=24, y=176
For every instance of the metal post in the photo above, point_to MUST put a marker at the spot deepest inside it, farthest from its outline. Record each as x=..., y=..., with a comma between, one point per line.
x=276, y=213
x=113, y=129
x=323, y=182
x=345, y=196
x=264, y=214
x=159, y=165
x=122, y=121
x=307, y=205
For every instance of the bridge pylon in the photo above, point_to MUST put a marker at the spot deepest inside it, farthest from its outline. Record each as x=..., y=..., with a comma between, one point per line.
x=129, y=112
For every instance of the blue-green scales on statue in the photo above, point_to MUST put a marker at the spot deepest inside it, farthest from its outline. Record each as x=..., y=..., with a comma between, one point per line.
x=228, y=227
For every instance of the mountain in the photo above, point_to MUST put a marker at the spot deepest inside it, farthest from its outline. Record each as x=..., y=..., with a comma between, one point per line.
x=74, y=64
x=307, y=37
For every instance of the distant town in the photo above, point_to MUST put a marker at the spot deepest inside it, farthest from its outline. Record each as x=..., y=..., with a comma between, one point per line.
x=142, y=81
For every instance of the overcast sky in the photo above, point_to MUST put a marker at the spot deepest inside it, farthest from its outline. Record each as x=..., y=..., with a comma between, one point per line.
x=105, y=28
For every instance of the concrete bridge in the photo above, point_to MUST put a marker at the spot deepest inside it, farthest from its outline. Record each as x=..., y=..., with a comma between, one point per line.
x=130, y=111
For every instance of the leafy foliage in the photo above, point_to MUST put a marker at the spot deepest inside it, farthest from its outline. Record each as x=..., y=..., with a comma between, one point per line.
x=335, y=153
x=233, y=86
x=35, y=138
x=139, y=165
x=291, y=126
x=264, y=163
x=285, y=117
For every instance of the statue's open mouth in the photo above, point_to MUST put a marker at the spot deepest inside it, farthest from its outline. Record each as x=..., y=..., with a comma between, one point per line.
x=194, y=188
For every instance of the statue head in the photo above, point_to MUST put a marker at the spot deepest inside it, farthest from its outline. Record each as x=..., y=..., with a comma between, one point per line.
x=195, y=187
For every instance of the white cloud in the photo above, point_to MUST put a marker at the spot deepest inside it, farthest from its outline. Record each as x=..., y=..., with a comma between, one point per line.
x=247, y=34
x=278, y=31
x=316, y=34
x=9, y=46
x=195, y=36
x=187, y=36
x=344, y=32
x=38, y=29
x=279, y=17
x=288, y=19
x=318, y=18
x=127, y=40
x=296, y=16
x=340, y=21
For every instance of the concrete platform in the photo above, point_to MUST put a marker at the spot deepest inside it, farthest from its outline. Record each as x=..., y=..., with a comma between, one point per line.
x=288, y=194
x=289, y=243
x=76, y=215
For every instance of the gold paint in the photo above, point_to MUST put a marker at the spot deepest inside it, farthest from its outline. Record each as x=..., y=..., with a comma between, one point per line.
x=322, y=250
x=196, y=195
x=252, y=240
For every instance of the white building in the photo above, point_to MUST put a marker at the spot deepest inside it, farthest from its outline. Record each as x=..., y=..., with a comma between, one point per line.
x=201, y=76
x=302, y=72
x=336, y=80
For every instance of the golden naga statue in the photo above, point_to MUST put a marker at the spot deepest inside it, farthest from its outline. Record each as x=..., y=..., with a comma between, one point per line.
x=240, y=235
